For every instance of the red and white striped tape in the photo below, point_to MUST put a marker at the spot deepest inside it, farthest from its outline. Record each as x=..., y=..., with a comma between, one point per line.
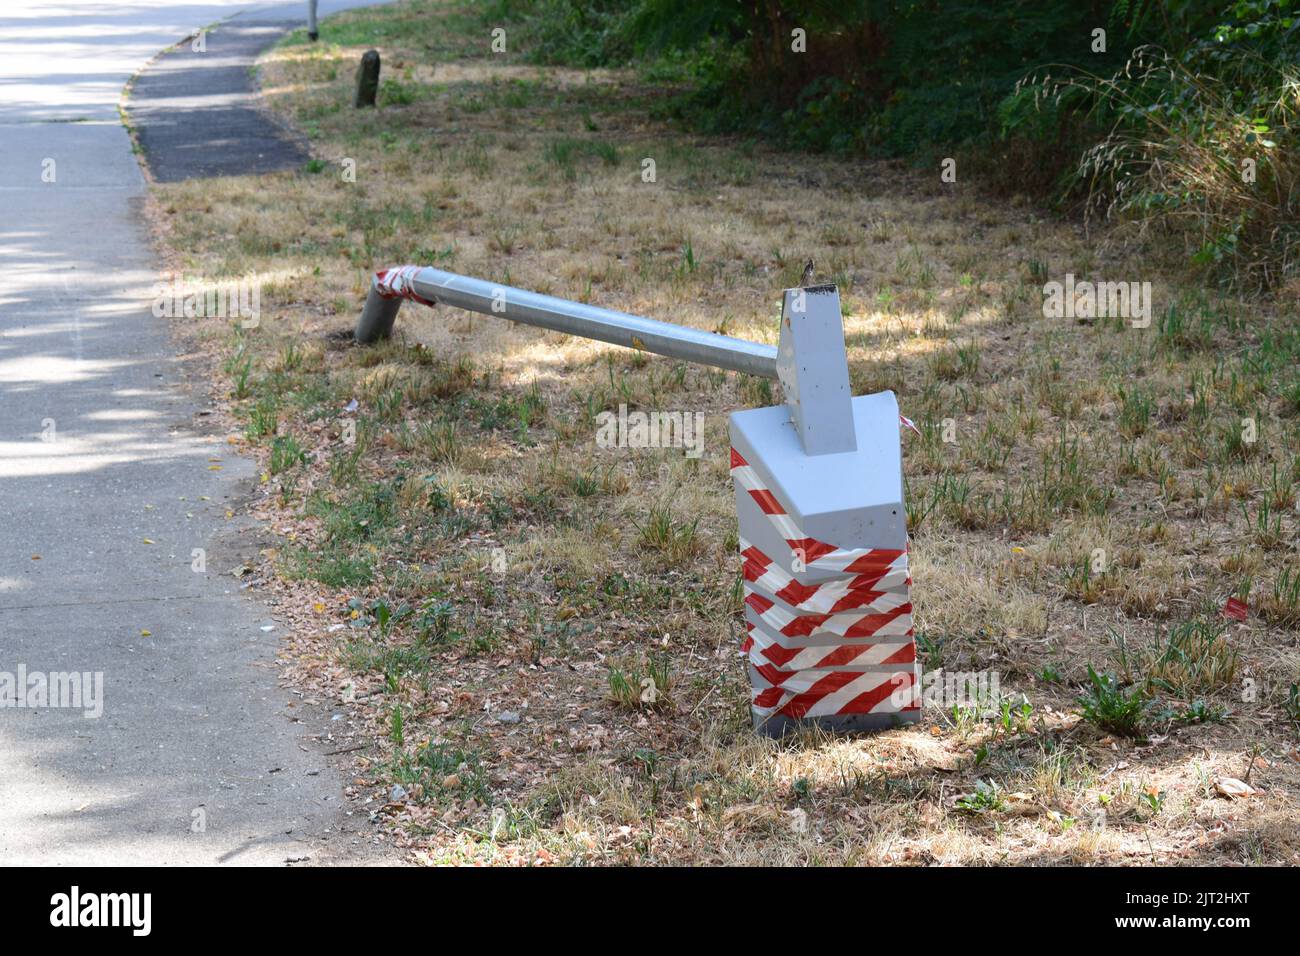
x=828, y=597
x=890, y=615
x=835, y=693
x=765, y=651
x=834, y=648
x=811, y=552
x=398, y=283
x=801, y=680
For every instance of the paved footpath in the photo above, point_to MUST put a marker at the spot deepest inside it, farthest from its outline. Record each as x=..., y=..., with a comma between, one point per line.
x=107, y=486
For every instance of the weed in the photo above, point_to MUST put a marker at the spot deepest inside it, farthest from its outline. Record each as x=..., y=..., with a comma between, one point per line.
x=439, y=770
x=1014, y=717
x=585, y=485
x=240, y=368
x=395, y=731
x=1197, y=712
x=1265, y=525
x=689, y=263
x=1153, y=799
x=1281, y=604
x=675, y=540
x=1135, y=412
x=286, y=453
x=643, y=685
x=440, y=441
x=566, y=152
x=1192, y=657
x=1112, y=708
x=1291, y=705
x=263, y=419
x=986, y=798
x=434, y=620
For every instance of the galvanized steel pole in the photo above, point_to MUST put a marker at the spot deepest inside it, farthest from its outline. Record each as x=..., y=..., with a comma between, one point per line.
x=433, y=286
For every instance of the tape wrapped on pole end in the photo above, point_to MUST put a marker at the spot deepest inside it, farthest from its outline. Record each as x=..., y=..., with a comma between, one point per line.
x=399, y=283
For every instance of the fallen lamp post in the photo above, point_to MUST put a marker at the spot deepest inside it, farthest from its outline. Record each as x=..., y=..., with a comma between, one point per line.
x=819, y=496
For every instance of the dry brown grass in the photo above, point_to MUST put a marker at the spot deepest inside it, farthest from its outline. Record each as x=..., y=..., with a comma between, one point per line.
x=475, y=443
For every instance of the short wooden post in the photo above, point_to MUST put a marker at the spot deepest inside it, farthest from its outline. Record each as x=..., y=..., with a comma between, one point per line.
x=367, y=80
x=313, y=33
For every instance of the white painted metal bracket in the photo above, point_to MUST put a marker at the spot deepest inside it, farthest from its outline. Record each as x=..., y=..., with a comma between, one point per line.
x=813, y=369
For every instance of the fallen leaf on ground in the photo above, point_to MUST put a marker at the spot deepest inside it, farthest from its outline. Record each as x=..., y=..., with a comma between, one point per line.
x=1232, y=788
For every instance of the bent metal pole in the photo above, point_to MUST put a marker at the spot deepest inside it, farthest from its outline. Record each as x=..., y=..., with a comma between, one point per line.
x=434, y=287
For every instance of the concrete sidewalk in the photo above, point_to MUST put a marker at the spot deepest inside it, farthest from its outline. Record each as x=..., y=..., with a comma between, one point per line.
x=109, y=481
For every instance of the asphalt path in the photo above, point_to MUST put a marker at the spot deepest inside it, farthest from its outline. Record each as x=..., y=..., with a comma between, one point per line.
x=111, y=485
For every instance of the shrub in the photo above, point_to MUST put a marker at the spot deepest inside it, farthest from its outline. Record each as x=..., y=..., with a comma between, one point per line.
x=1200, y=144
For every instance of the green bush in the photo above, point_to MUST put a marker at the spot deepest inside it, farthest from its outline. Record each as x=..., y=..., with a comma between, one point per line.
x=584, y=34
x=1200, y=143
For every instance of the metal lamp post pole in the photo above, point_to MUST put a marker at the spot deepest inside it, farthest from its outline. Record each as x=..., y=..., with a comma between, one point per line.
x=433, y=286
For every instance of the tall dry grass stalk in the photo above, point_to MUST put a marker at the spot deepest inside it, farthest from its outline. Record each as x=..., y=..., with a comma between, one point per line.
x=1210, y=159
